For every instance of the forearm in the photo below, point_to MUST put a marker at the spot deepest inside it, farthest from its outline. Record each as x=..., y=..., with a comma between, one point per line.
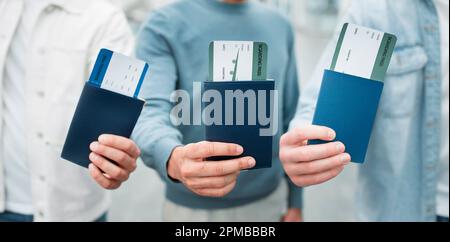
x=156, y=136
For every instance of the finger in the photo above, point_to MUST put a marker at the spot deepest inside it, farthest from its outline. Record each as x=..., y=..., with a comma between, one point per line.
x=120, y=143
x=311, y=152
x=212, y=182
x=207, y=149
x=114, y=172
x=314, y=179
x=118, y=156
x=104, y=182
x=319, y=166
x=221, y=192
x=310, y=132
x=222, y=168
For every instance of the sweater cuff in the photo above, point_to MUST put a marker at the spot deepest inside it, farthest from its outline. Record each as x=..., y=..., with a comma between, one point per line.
x=162, y=151
x=295, y=195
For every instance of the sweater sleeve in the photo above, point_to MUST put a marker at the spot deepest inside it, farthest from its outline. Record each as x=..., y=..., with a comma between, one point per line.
x=154, y=132
x=290, y=99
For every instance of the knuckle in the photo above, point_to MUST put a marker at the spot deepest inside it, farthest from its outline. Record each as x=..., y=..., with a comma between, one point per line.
x=288, y=169
x=219, y=170
x=304, y=154
x=224, y=181
x=204, y=166
x=220, y=183
x=125, y=175
x=138, y=151
x=122, y=157
x=209, y=149
x=183, y=173
x=101, y=162
x=133, y=166
x=329, y=148
x=284, y=155
x=199, y=192
x=243, y=163
x=202, y=143
x=189, y=183
x=309, y=167
x=337, y=160
x=315, y=180
x=203, y=150
x=116, y=174
x=100, y=148
x=282, y=139
x=299, y=181
x=97, y=176
x=186, y=171
x=129, y=145
x=299, y=133
x=108, y=184
x=218, y=193
x=113, y=186
x=189, y=147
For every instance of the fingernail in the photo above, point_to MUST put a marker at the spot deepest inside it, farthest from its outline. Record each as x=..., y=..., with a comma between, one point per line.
x=94, y=146
x=93, y=156
x=101, y=137
x=346, y=158
x=331, y=134
x=239, y=149
x=340, y=147
x=251, y=162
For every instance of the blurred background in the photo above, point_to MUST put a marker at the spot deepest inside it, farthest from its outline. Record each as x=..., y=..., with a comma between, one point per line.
x=141, y=198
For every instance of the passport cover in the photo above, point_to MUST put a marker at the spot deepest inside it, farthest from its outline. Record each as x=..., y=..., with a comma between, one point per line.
x=348, y=104
x=256, y=146
x=99, y=111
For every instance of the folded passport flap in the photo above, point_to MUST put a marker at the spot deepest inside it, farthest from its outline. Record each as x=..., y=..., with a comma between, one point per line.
x=348, y=104
x=247, y=135
x=99, y=111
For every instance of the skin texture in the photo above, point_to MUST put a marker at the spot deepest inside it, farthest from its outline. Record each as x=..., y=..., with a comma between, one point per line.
x=188, y=165
x=312, y=164
x=122, y=151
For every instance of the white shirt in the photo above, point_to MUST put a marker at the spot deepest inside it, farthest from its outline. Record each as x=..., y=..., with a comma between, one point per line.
x=442, y=7
x=14, y=137
x=65, y=41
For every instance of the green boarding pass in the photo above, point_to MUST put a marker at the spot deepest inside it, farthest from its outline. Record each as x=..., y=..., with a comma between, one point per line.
x=237, y=60
x=363, y=52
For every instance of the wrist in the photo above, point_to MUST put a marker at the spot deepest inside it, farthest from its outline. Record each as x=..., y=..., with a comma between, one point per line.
x=172, y=164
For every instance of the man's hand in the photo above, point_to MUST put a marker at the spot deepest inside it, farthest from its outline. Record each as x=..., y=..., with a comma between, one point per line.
x=113, y=159
x=312, y=164
x=188, y=165
x=292, y=215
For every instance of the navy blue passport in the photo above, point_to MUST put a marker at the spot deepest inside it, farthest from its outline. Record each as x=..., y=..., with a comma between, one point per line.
x=247, y=135
x=99, y=111
x=348, y=104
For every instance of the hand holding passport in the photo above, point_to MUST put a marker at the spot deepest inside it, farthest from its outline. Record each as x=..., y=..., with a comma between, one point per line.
x=211, y=168
x=212, y=179
x=351, y=90
x=345, y=111
x=104, y=119
x=341, y=129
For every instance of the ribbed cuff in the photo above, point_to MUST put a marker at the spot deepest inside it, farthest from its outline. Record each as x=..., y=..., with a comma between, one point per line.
x=162, y=151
